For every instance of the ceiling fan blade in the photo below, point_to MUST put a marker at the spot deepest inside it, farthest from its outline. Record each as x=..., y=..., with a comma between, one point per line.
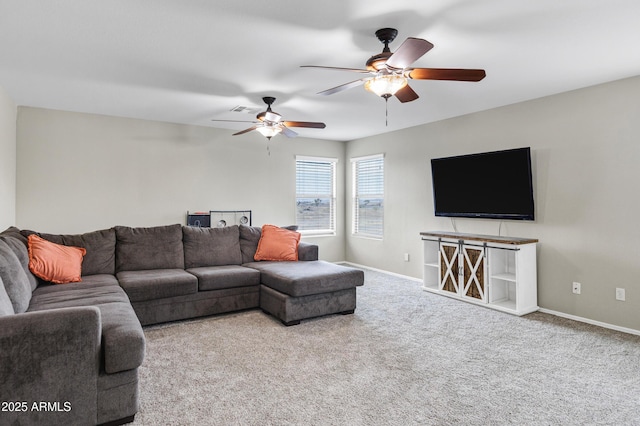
x=336, y=68
x=245, y=131
x=342, y=87
x=406, y=94
x=455, y=74
x=408, y=52
x=288, y=132
x=310, y=124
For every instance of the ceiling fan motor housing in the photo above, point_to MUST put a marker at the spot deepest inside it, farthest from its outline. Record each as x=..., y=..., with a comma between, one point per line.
x=268, y=115
x=378, y=62
x=386, y=36
x=268, y=100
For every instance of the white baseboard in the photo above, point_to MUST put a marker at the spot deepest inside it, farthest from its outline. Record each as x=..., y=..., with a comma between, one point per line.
x=590, y=321
x=344, y=262
x=543, y=310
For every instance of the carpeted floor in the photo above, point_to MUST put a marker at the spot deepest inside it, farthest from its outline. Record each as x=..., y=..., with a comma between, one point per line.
x=406, y=357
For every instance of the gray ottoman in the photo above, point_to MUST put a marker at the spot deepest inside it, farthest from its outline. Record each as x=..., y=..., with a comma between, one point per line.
x=293, y=291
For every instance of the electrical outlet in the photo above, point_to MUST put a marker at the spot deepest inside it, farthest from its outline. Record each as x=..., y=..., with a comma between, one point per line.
x=406, y=257
x=577, y=287
x=620, y=294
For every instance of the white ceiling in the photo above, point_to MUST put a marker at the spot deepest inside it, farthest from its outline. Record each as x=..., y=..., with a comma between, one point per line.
x=191, y=61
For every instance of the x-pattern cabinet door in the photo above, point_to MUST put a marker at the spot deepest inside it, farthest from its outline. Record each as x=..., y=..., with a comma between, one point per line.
x=449, y=269
x=473, y=273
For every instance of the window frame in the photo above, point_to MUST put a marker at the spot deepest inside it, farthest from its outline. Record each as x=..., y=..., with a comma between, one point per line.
x=356, y=220
x=333, y=162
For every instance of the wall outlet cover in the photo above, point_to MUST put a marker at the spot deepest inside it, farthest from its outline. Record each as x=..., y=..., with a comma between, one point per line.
x=577, y=287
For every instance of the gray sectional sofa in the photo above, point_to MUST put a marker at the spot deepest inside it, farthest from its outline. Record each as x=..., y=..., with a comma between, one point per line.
x=69, y=353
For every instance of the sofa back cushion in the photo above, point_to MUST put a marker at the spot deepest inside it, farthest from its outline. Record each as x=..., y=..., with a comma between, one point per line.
x=16, y=282
x=6, y=307
x=14, y=232
x=211, y=246
x=249, y=238
x=100, y=246
x=158, y=247
x=20, y=250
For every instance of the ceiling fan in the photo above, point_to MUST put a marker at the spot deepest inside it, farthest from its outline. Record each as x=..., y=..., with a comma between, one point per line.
x=270, y=123
x=390, y=72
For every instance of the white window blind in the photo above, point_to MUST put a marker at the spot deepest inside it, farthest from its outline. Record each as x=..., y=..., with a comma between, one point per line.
x=368, y=196
x=316, y=195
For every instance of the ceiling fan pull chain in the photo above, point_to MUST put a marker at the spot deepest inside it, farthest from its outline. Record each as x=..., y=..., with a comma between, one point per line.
x=386, y=111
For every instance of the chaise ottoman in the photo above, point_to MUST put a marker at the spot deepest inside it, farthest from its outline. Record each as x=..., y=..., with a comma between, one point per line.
x=293, y=291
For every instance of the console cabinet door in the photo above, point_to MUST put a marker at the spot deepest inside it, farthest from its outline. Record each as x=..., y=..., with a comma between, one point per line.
x=449, y=269
x=473, y=273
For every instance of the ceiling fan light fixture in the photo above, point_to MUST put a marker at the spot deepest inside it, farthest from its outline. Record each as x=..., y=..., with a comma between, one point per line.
x=269, y=131
x=386, y=85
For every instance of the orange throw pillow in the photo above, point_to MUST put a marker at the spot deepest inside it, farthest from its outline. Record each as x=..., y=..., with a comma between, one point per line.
x=277, y=244
x=54, y=262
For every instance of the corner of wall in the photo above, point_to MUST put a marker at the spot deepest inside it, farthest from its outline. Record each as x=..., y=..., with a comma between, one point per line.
x=8, y=140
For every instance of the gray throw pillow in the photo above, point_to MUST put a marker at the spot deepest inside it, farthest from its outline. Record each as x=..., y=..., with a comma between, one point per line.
x=211, y=246
x=14, y=278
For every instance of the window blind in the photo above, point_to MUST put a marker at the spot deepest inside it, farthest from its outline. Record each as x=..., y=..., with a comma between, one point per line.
x=316, y=194
x=368, y=190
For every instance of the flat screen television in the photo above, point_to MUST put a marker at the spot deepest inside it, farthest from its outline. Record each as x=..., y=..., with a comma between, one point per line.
x=494, y=185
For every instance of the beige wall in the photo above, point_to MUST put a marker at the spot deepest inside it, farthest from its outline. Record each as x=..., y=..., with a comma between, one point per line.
x=586, y=165
x=7, y=160
x=81, y=172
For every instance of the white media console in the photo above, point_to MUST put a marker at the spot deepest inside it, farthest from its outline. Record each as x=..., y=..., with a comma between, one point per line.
x=496, y=272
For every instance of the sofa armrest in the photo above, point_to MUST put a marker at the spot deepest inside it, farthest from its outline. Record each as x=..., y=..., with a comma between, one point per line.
x=49, y=365
x=307, y=251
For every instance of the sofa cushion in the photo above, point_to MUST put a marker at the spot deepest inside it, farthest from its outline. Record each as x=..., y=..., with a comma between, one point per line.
x=249, y=238
x=139, y=249
x=19, y=247
x=14, y=232
x=277, y=244
x=93, y=290
x=157, y=283
x=305, y=278
x=122, y=336
x=220, y=277
x=100, y=246
x=16, y=282
x=53, y=262
x=6, y=308
x=211, y=246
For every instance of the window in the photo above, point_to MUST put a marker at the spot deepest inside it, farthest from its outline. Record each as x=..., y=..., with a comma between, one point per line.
x=368, y=196
x=316, y=195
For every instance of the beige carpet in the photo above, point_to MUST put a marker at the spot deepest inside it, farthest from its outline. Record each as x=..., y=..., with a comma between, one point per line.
x=406, y=357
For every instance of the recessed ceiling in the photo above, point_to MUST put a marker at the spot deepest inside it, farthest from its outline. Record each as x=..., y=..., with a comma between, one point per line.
x=193, y=61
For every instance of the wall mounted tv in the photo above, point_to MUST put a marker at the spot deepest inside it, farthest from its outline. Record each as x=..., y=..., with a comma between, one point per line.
x=495, y=185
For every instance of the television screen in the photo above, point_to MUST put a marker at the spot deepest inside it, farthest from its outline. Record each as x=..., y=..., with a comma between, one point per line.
x=496, y=185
